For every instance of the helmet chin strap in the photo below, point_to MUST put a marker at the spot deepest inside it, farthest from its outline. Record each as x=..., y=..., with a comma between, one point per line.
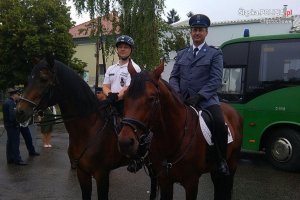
x=124, y=58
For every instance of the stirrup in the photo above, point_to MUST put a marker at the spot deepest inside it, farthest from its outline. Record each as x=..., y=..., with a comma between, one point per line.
x=134, y=166
x=223, y=168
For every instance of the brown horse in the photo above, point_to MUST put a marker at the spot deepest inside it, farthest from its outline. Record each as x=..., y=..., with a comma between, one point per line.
x=93, y=146
x=156, y=119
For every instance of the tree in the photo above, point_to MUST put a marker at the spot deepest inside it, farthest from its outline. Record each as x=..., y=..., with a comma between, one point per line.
x=138, y=18
x=30, y=28
x=189, y=14
x=172, y=17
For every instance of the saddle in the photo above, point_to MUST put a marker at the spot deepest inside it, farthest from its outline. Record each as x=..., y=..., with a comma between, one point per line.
x=206, y=125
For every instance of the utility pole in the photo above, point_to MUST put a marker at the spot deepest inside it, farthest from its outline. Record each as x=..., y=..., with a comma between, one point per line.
x=97, y=62
x=103, y=53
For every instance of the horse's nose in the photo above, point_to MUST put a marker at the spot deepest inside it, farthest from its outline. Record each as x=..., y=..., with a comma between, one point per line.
x=20, y=115
x=126, y=146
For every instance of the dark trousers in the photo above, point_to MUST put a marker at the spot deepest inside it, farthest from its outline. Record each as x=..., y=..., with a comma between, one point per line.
x=27, y=138
x=220, y=133
x=120, y=107
x=12, y=144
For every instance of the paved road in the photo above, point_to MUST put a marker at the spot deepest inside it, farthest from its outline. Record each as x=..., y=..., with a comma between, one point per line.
x=49, y=177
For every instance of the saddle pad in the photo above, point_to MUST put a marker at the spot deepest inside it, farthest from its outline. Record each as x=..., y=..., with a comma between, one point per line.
x=206, y=132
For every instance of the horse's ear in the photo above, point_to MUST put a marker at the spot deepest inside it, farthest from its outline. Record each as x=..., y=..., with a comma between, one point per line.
x=35, y=60
x=131, y=69
x=50, y=60
x=158, y=70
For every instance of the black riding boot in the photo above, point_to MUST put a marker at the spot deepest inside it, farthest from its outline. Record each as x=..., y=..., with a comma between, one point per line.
x=221, y=148
x=220, y=138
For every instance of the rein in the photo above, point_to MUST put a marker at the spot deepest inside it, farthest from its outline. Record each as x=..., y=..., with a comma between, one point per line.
x=147, y=134
x=75, y=162
x=169, y=165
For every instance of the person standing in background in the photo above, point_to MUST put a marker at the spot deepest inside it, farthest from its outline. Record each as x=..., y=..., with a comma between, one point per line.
x=13, y=130
x=47, y=123
x=25, y=131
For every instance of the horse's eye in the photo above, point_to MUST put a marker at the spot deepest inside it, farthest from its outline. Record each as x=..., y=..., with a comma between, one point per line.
x=152, y=99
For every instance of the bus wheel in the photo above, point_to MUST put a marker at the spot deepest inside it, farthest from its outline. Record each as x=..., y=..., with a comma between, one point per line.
x=283, y=149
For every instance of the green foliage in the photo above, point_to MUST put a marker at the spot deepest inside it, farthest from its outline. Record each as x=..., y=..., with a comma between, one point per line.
x=78, y=65
x=142, y=20
x=30, y=28
x=172, y=17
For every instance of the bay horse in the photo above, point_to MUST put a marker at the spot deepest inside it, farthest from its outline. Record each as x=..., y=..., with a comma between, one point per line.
x=155, y=118
x=93, y=144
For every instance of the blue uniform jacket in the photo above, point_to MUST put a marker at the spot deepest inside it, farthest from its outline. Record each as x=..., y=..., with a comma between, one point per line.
x=202, y=74
x=9, y=113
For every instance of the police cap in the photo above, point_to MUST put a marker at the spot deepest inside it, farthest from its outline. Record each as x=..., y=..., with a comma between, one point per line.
x=13, y=90
x=199, y=20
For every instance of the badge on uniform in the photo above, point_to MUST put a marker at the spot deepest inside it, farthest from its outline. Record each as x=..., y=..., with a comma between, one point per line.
x=122, y=82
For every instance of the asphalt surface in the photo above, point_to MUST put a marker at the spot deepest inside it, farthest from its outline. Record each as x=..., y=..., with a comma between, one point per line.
x=49, y=177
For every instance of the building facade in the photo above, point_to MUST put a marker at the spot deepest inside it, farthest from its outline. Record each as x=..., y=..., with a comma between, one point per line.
x=86, y=50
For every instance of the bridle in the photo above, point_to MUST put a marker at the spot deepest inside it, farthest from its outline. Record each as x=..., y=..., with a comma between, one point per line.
x=147, y=134
x=37, y=106
x=146, y=129
x=47, y=94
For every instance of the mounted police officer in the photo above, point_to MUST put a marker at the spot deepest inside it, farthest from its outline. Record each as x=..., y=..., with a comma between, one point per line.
x=196, y=76
x=117, y=80
x=117, y=77
x=13, y=130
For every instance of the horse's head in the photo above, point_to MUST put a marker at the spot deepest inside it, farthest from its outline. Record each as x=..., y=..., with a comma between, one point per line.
x=38, y=93
x=141, y=104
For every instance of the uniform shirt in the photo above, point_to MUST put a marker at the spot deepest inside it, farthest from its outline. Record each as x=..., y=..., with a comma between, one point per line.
x=117, y=76
x=9, y=113
x=199, y=47
x=198, y=75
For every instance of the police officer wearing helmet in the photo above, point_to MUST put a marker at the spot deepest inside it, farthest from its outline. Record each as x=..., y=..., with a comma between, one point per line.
x=117, y=77
x=196, y=76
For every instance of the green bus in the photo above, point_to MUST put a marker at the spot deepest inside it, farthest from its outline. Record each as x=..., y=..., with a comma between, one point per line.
x=261, y=79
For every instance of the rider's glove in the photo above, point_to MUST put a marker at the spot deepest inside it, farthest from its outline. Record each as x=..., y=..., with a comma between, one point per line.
x=194, y=100
x=112, y=97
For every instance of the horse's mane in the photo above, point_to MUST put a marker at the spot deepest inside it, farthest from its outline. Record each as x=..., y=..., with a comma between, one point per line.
x=137, y=86
x=76, y=89
x=71, y=86
x=172, y=91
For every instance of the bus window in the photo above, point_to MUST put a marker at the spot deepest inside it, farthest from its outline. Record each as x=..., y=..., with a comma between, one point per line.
x=231, y=83
x=232, y=89
x=280, y=62
x=235, y=62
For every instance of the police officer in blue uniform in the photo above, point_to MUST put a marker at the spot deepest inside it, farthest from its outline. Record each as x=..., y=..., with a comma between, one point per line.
x=13, y=130
x=196, y=76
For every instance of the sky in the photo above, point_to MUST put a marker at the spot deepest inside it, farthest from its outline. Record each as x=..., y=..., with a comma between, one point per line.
x=222, y=10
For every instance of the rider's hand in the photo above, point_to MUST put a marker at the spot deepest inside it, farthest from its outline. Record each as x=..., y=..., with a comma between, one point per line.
x=112, y=97
x=194, y=100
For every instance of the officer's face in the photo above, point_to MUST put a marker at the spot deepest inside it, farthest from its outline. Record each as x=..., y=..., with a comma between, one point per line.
x=124, y=50
x=198, y=35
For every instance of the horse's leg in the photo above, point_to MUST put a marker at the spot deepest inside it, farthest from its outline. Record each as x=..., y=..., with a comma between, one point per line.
x=85, y=181
x=222, y=185
x=166, y=188
x=190, y=185
x=102, y=179
x=153, y=179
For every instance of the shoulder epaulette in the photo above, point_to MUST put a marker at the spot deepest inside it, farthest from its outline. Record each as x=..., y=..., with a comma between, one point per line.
x=182, y=49
x=214, y=47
